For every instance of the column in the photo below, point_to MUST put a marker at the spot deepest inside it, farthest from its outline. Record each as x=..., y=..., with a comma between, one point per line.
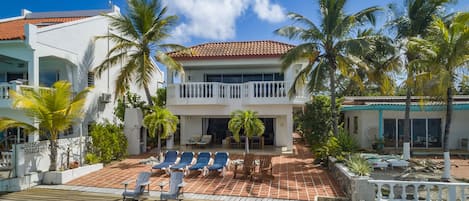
x=380, y=129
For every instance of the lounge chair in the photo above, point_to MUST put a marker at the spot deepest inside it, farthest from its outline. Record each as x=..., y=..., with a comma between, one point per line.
x=187, y=159
x=193, y=140
x=397, y=163
x=203, y=160
x=220, y=163
x=175, y=187
x=142, y=181
x=170, y=159
x=205, y=140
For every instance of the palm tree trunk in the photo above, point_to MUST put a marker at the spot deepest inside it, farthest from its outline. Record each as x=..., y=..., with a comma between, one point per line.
x=406, y=145
x=158, y=149
x=246, y=145
x=53, y=155
x=148, y=95
x=449, y=112
x=333, y=103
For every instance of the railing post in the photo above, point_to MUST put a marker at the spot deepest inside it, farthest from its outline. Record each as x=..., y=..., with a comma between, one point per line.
x=452, y=192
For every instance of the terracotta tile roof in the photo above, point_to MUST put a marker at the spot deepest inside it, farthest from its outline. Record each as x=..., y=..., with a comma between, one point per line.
x=233, y=49
x=14, y=29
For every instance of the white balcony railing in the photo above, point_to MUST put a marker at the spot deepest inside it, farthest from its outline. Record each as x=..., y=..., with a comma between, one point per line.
x=418, y=190
x=5, y=91
x=270, y=92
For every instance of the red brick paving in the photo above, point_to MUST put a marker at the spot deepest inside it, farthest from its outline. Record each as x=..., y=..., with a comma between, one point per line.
x=295, y=178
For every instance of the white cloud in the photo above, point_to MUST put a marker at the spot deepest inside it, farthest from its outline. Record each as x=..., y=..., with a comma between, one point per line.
x=269, y=12
x=212, y=19
x=216, y=19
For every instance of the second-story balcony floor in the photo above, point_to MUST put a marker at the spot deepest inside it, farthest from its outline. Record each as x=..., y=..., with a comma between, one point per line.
x=216, y=93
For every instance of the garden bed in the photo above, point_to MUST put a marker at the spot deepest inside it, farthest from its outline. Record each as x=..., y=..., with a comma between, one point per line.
x=355, y=187
x=62, y=177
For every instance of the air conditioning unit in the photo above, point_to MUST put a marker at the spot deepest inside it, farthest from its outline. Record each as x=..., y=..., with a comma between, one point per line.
x=105, y=98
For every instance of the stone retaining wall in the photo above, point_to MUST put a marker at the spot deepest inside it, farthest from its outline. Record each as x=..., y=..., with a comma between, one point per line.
x=355, y=187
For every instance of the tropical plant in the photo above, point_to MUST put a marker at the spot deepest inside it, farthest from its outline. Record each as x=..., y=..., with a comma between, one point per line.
x=108, y=143
x=160, y=97
x=247, y=124
x=330, y=147
x=130, y=100
x=315, y=120
x=162, y=123
x=413, y=21
x=445, y=52
x=54, y=110
x=347, y=142
x=329, y=47
x=359, y=165
x=139, y=33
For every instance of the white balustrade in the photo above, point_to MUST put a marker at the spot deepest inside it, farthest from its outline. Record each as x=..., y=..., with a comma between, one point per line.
x=226, y=93
x=418, y=190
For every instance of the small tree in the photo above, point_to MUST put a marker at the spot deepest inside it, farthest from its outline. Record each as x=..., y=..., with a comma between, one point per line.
x=108, y=143
x=53, y=109
x=160, y=122
x=247, y=122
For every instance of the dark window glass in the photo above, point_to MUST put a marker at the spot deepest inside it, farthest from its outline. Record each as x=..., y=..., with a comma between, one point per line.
x=253, y=77
x=389, y=132
x=232, y=79
x=400, y=131
x=15, y=76
x=419, y=130
x=434, y=132
x=47, y=79
x=213, y=78
x=268, y=77
x=278, y=76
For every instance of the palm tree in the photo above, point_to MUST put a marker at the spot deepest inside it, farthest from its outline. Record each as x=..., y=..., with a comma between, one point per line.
x=413, y=22
x=246, y=122
x=139, y=35
x=162, y=123
x=50, y=109
x=377, y=76
x=328, y=47
x=445, y=50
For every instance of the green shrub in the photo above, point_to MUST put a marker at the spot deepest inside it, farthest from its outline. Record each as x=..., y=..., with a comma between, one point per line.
x=346, y=141
x=108, y=142
x=331, y=147
x=359, y=165
x=91, y=159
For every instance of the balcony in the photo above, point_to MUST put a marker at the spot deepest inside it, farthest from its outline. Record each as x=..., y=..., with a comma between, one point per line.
x=215, y=93
x=5, y=99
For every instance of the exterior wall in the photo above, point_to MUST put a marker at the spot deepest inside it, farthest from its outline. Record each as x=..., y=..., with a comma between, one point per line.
x=60, y=48
x=191, y=120
x=368, y=124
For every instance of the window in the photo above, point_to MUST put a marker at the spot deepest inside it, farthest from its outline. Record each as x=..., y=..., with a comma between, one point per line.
x=355, y=125
x=2, y=77
x=91, y=79
x=15, y=76
x=68, y=132
x=48, y=78
x=423, y=132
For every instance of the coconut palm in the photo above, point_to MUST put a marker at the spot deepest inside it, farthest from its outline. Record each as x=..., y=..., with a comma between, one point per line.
x=246, y=122
x=138, y=36
x=160, y=122
x=413, y=22
x=445, y=50
x=54, y=110
x=328, y=47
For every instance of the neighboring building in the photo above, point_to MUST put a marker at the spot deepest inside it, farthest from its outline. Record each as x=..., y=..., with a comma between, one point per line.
x=37, y=49
x=373, y=118
x=223, y=77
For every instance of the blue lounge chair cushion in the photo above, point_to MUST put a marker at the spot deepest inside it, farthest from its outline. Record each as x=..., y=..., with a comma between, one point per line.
x=170, y=159
x=186, y=159
x=220, y=161
x=202, y=160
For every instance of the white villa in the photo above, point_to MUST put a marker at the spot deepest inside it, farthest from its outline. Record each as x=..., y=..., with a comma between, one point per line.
x=373, y=118
x=37, y=49
x=223, y=77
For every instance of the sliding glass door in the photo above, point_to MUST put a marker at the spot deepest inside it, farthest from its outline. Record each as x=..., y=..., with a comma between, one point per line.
x=425, y=133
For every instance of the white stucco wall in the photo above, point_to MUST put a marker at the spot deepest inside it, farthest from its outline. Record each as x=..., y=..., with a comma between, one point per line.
x=368, y=123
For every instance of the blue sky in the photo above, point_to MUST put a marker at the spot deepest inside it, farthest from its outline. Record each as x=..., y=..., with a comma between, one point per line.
x=215, y=20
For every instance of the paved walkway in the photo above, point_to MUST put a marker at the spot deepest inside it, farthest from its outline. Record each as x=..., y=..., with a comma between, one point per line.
x=296, y=178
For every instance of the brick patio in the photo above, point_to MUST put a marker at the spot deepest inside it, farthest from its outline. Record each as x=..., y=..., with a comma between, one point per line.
x=296, y=178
